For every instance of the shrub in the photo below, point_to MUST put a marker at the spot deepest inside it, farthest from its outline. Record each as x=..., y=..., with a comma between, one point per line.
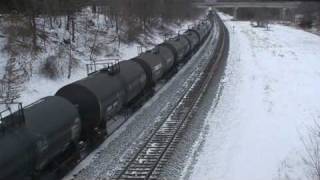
x=50, y=68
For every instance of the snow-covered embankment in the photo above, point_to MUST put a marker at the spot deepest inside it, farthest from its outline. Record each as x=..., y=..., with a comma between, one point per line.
x=269, y=101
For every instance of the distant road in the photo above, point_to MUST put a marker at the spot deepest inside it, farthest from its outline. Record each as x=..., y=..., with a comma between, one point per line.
x=266, y=4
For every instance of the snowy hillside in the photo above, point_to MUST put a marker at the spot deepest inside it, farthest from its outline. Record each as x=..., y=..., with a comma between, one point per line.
x=95, y=39
x=261, y=126
x=40, y=86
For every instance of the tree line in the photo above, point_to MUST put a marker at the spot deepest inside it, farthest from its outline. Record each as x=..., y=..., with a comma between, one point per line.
x=136, y=16
x=33, y=30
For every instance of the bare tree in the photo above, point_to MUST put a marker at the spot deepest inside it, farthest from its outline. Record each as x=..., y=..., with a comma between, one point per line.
x=311, y=157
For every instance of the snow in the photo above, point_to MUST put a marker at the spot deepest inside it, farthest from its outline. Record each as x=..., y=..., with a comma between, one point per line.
x=38, y=86
x=270, y=95
x=120, y=146
x=3, y=58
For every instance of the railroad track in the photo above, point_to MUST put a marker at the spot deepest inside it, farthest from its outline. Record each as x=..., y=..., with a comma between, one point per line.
x=155, y=152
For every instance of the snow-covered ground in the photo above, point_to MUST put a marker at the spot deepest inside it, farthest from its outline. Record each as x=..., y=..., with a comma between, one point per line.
x=270, y=98
x=38, y=85
x=111, y=155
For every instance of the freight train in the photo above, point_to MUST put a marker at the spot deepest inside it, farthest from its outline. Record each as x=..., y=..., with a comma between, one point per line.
x=50, y=131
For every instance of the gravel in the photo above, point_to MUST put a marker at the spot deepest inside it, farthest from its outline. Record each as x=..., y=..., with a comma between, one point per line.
x=103, y=162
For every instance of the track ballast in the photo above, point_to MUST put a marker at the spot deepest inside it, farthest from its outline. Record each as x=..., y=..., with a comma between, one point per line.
x=155, y=151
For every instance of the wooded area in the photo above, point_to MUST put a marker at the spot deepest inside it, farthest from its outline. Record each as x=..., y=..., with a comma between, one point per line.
x=138, y=15
x=28, y=20
x=51, y=37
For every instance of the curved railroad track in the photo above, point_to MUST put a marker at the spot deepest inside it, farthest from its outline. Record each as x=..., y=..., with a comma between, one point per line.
x=148, y=161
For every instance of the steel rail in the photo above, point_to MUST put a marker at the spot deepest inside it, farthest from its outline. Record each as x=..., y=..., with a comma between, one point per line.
x=151, y=157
